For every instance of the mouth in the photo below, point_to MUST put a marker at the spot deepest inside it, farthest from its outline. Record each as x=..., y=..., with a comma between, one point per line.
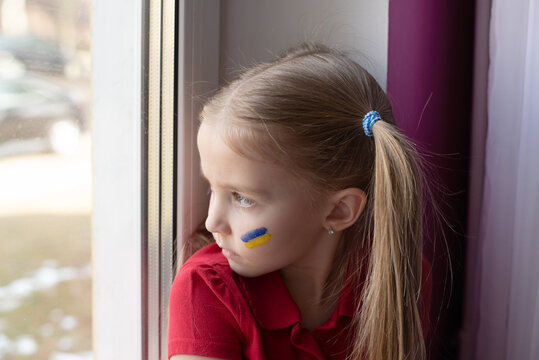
x=226, y=252
x=229, y=254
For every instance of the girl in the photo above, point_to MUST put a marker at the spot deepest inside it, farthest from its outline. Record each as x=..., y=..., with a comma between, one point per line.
x=316, y=214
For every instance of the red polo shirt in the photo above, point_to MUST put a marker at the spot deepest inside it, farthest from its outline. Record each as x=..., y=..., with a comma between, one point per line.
x=216, y=313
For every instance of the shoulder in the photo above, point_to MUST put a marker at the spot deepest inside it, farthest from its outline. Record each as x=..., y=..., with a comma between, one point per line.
x=206, y=266
x=209, y=255
x=205, y=275
x=204, y=309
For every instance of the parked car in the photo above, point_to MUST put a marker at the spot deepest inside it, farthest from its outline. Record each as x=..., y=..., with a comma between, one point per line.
x=38, y=108
x=35, y=53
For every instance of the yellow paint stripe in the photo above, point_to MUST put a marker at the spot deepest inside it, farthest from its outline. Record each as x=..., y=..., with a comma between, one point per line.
x=258, y=241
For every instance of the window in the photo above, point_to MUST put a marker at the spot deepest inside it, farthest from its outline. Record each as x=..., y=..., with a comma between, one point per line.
x=46, y=180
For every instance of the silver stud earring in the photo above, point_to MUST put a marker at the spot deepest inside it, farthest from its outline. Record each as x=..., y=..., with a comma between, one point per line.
x=331, y=232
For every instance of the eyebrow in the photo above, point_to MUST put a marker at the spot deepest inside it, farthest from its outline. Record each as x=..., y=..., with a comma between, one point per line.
x=241, y=189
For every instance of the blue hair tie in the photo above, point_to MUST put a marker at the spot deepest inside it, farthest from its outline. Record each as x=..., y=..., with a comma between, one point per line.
x=369, y=120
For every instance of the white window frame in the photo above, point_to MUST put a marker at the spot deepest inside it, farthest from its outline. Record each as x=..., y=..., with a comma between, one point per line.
x=117, y=168
x=134, y=164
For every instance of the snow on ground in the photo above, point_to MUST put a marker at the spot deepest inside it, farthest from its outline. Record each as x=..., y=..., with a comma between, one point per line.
x=46, y=277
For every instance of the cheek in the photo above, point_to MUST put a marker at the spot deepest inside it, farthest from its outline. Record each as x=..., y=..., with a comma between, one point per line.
x=274, y=229
x=296, y=232
x=255, y=238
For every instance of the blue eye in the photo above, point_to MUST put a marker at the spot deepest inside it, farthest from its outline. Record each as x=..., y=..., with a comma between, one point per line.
x=242, y=200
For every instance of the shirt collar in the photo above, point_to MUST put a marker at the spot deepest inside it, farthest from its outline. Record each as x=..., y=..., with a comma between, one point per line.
x=274, y=308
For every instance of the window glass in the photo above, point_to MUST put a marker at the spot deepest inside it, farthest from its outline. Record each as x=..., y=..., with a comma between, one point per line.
x=45, y=180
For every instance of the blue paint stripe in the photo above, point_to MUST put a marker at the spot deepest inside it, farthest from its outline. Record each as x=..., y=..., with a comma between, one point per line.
x=254, y=234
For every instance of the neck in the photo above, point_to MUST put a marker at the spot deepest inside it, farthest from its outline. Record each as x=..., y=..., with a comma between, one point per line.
x=306, y=282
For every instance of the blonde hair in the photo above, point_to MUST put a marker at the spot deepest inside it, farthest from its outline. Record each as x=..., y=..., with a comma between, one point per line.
x=304, y=111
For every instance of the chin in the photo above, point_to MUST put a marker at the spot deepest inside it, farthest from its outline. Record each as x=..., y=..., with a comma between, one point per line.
x=246, y=272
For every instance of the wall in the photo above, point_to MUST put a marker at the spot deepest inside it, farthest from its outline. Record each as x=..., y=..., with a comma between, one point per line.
x=253, y=31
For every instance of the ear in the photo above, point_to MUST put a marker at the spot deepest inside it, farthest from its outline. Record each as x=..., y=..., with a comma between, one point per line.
x=348, y=204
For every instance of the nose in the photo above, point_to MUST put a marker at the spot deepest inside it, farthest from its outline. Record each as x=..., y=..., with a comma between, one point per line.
x=217, y=221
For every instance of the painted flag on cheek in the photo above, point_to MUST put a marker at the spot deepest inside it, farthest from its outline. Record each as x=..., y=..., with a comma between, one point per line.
x=256, y=237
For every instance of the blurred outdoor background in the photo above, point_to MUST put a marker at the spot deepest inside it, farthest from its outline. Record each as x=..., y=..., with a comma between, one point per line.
x=45, y=180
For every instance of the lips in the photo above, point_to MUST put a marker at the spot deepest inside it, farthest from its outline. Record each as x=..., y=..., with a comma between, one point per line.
x=226, y=252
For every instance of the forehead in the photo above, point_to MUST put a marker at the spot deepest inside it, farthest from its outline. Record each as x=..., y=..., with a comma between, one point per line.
x=223, y=166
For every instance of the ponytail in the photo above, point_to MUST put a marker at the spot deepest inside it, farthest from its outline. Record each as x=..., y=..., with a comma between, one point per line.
x=388, y=322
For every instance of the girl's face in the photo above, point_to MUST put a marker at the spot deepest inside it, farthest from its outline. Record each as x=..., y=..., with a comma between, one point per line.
x=260, y=216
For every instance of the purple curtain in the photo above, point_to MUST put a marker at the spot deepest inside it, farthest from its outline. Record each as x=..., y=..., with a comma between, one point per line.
x=501, y=317
x=430, y=67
